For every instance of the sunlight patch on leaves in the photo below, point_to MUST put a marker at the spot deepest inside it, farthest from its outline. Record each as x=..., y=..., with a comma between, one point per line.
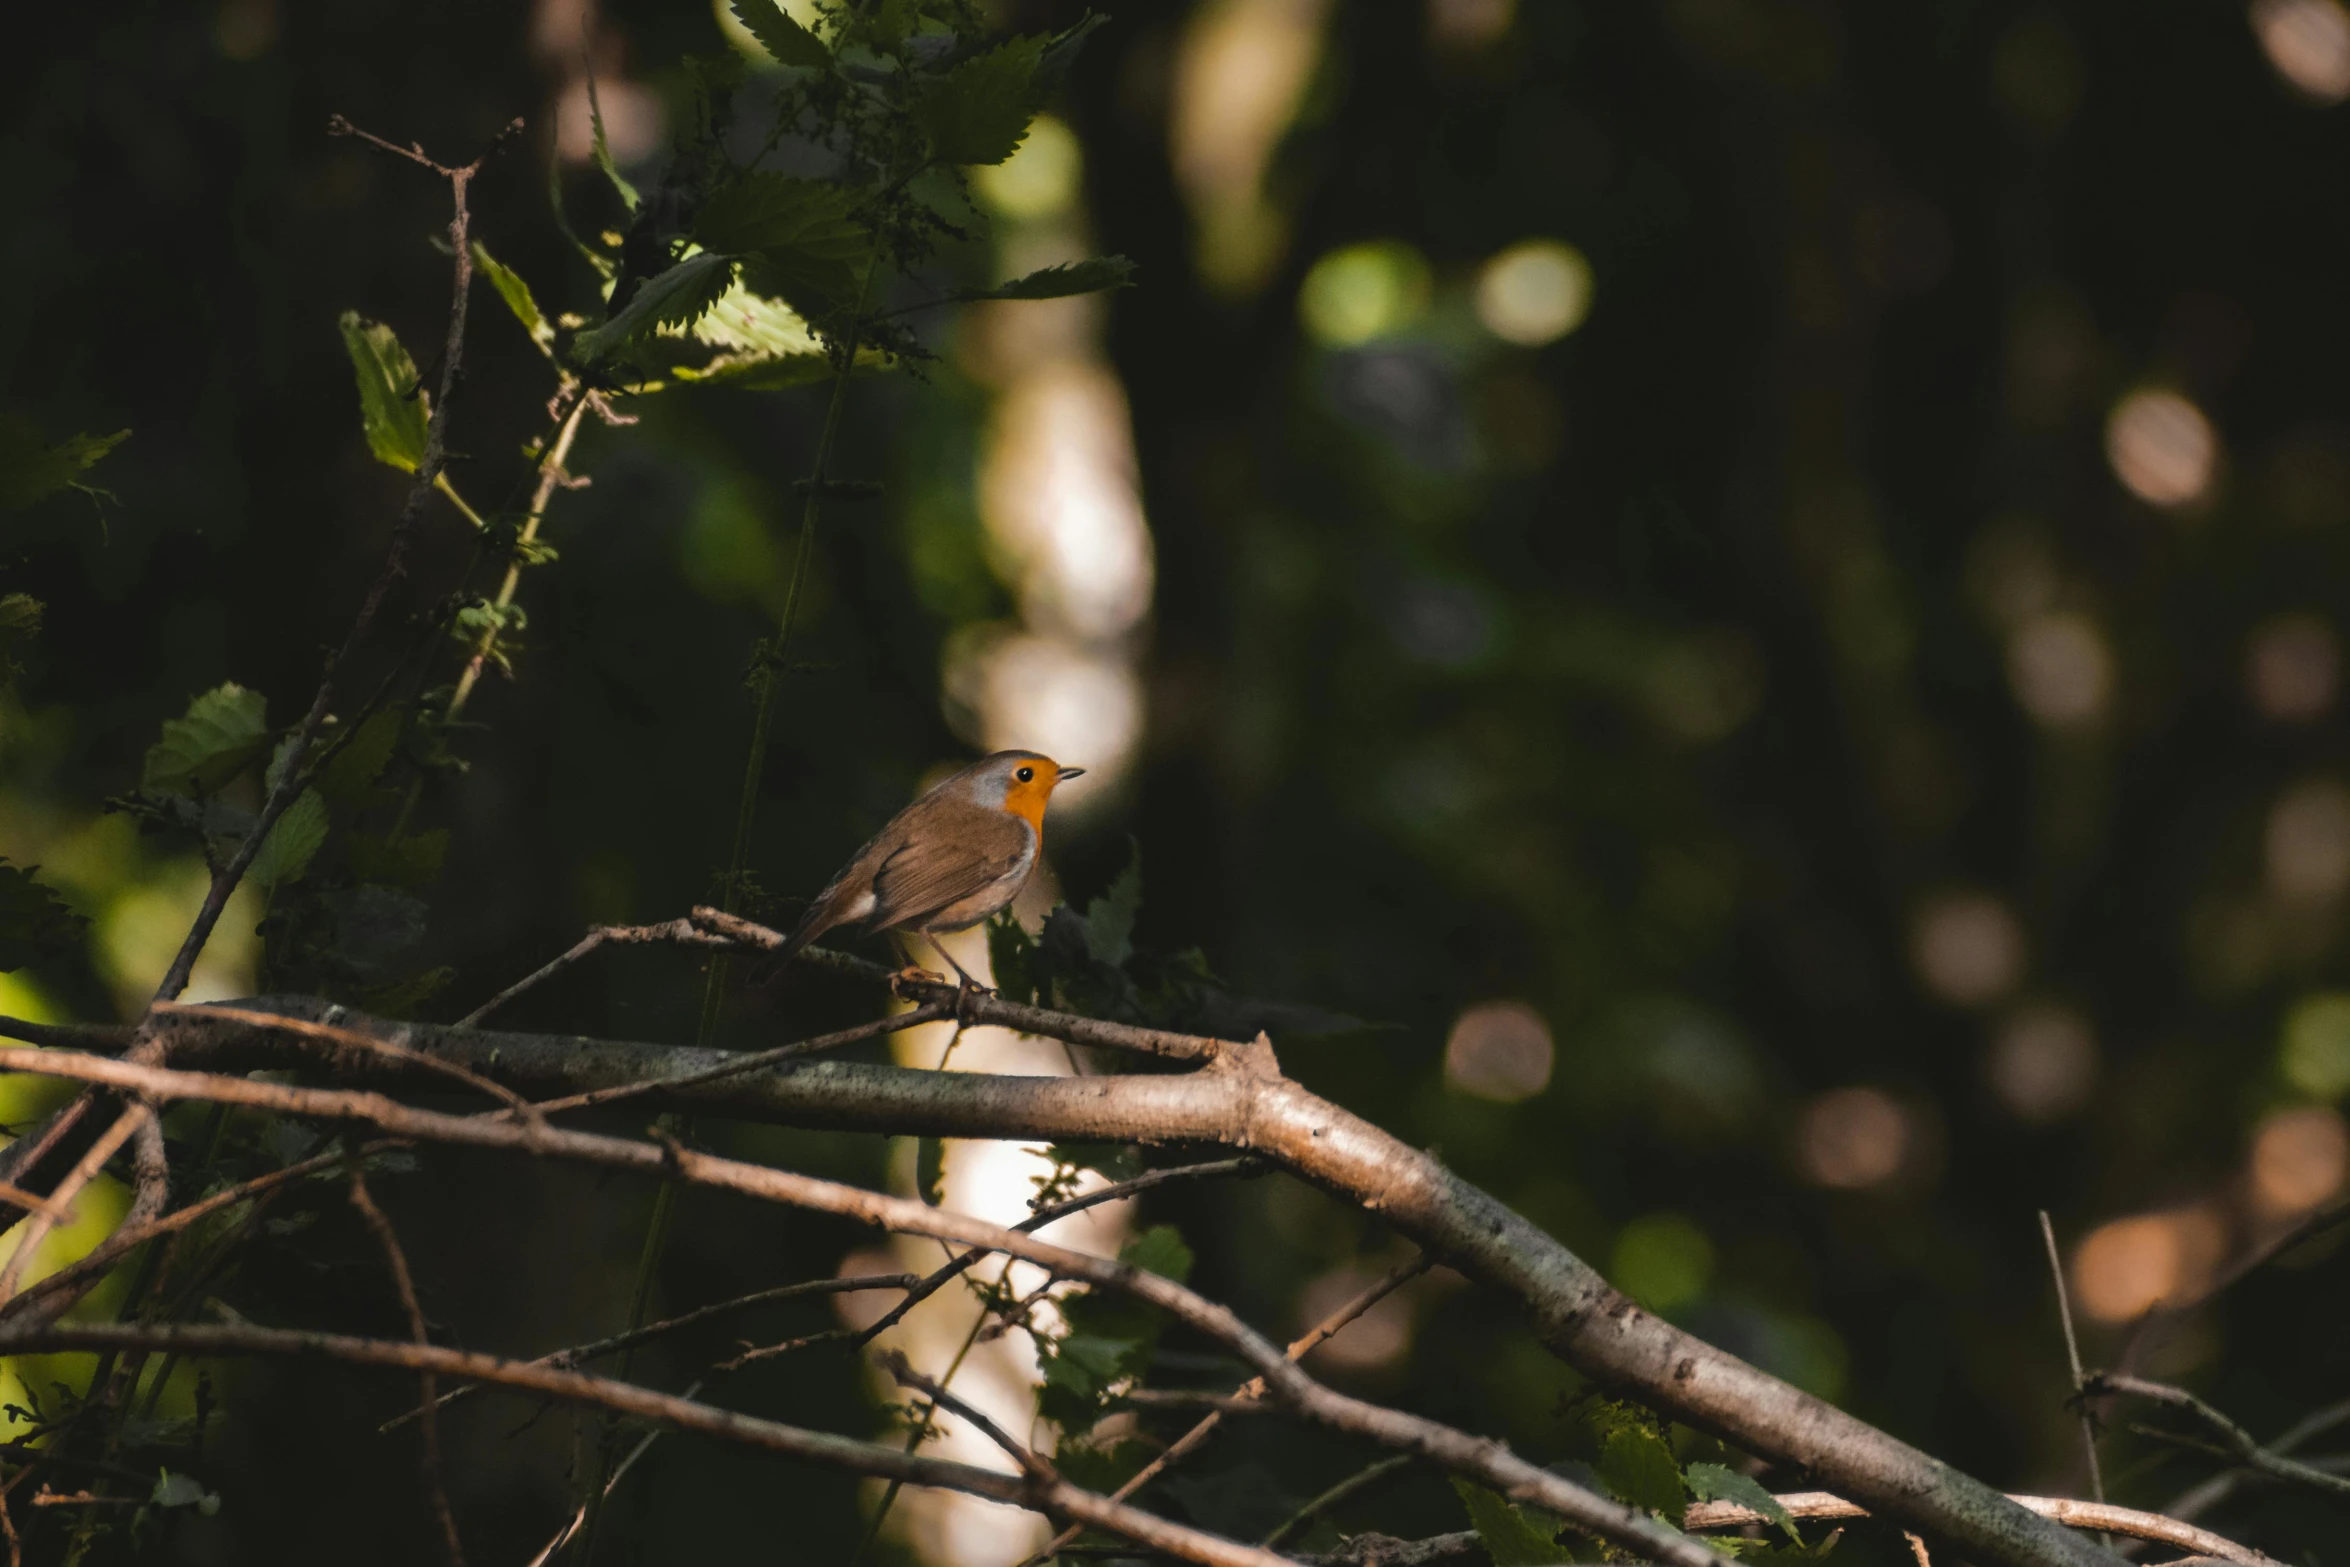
x=1513, y=1536
x=677, y=297
x=517, y=295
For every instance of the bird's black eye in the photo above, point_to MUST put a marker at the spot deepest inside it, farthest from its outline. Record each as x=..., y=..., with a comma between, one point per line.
x=1026, y=775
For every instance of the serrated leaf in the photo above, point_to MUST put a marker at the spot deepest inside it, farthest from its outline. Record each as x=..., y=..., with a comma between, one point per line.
x=677, y=297
x=1509, y=1534
x=1160, y=1250
x=809, y=247
x=1109, y=919
x=292, y=843
x=516, y=293
x=1052, y=66
x=34, y=922
x=393, y=407
x=221, y=734
x=1717, y=1483
x=31, y=469
x=353, y=770
x=1637, y=1467
x=1089, y=276
x=784, y=39
x=979, y=111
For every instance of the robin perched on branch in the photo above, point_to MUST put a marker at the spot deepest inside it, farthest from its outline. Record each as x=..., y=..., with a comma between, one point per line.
x=949, y=860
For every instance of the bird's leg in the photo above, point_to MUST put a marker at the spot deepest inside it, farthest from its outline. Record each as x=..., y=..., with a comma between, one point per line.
x=969, y=985
x=903, y=941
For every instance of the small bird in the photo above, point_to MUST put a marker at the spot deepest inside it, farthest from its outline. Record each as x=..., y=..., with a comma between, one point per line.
x=949, y=860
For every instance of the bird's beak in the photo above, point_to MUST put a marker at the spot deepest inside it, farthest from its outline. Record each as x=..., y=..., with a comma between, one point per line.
x=1068, y=773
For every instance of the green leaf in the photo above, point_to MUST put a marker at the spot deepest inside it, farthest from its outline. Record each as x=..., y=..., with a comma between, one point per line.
x=34, y=922
x=979, y=111
x=393, y=406
x=1011, y=958
x=353, y=770
x=1109, y=919
x=1510, y=1534
x=1115, y=1161
x=676, y=297
x=1061, y=53
x=628, y=195
x=182, y=1491
x=1715, y=1483
x=32, y=470
x=811, y=248
x=1160, y=1250
x=413, y=860
x=785, y=40
x=1089, y=276
x=516, y=293
x=1637, y=1467
x=223, y=732
x=293, y=843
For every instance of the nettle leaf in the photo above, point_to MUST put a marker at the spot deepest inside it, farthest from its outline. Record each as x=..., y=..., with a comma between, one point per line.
x=1109, y=919
x=784, y=39
x=1089, y=276
x=677, y=297
x=34, y=922
x=393, y=407
x=1513, y=1536
x=516, y=293
x=223, y=732
x=1637, y=1468
x=353, y=770
x=1717, y=1483
x=292, y=843
x=979, y=111
x=32, y=470
x=603, y=149
x=810, y=248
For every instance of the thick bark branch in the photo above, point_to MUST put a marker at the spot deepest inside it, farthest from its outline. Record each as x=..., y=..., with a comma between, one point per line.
x=1242, y=1101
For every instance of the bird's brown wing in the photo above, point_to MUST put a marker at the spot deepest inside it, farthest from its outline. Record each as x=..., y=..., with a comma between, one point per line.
x=928, y=873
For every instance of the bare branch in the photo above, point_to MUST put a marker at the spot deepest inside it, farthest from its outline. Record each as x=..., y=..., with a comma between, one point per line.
x=2059, y=1509
x=1487, y=1461
x=1241, y=1100
x=1056, y=1497
x=902, y=1372
x=2072, y=1355
x=1361, y=1479
x=2234, y=1441
x=44, y=1219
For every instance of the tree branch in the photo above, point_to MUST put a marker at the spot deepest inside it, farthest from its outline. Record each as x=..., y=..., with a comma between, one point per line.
x=2235, y=1442
x=405, y=1283
x=2060, y=1509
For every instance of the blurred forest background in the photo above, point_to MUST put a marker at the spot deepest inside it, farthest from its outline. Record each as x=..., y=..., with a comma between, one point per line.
x=1762, y=579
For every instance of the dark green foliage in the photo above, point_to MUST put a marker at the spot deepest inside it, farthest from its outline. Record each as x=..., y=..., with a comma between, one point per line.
x=20, y=628
x=1107, y=1336
x=393, y=406
x=1719, y=1483
x=1513, y=1536
x=1090, y=276
x=223, y=732
x=31, y=469
x=34, y=922
x=979, y=111
x=1636, y=1466
x=782, y=37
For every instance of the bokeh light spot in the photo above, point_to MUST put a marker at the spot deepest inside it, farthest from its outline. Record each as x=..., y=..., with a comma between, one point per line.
x=1361, y=292
x=1853, y=1138
x=2308, y=41
x=2126, y=1268
x=2061, y=669
x=2315, y=1057
x=1967, y=948
x=1499, y=1050
x=2043, y=1063
x=2293, y=668
x=1535, y=292
x=2299, y=1158
x=1381, y=1336
x=2162, y=448
x=1663, y=1261
x=2307, y=845
x=1039, y=181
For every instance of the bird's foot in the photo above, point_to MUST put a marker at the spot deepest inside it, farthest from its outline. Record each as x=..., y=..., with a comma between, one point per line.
x=916, y=974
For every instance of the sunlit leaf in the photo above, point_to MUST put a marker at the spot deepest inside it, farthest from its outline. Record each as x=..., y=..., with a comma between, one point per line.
x=979, y=111
x=223, y=732
x=1090, y=276
x=785, y=40
x=1637, y=1467
x=516, y=293
x=1716, y=1483
x=292, y=843
x=603, y=148
x=393, y=408
x=34, y=923
x=177, y=1490
x=31, y=469
x=1511, y=1535
x=676, y=297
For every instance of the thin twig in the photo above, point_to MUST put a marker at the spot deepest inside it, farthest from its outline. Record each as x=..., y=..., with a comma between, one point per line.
x=1306, y=1343
x=350, y=1038
x=680, y=931
x=902, y=1372
x=2072, y=1353
x=354, y=1170
x=1368, y=1475
x=2061, y=1509
x=85, y=1170
x=2233, y=1440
